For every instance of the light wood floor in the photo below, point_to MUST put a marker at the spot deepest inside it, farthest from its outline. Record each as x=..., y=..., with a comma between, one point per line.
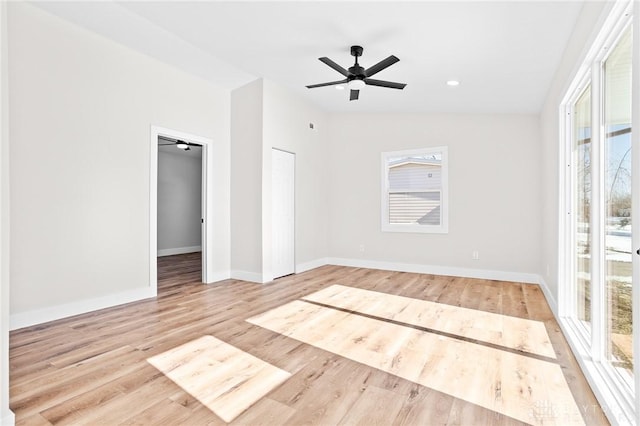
x=192, y=357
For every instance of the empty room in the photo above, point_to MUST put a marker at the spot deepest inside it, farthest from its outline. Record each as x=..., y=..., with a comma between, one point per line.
x=319, y=212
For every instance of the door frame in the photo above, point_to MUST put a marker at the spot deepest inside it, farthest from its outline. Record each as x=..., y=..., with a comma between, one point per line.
x=207, y=145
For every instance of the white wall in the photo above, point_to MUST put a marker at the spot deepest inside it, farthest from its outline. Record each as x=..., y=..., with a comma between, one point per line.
x=265, y=116
x=246, y=182
x=81, y=111
x=494, y=193
x=179, y=201
x=6, y=416
x=286, y=126
x=587, y=23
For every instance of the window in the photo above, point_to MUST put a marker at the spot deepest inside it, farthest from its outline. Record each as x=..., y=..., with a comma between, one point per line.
x=599, y=286
x=581, y=181
x=414, y=190
x=616, y=199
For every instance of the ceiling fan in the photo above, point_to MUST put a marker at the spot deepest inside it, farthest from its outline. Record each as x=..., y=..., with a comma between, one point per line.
x=177, y=143
x=357, y=77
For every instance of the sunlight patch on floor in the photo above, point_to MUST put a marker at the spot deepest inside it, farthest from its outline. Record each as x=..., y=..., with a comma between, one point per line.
x=517, y=385
x=222, y=377
x=511, y=332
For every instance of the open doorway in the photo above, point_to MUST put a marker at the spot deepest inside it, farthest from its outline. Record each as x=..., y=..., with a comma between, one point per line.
x=179, y=210
x=178, y=202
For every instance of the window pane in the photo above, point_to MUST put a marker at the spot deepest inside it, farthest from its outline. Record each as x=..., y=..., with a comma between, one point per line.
x=414, y=207
x=415, y=176
x=617, y=193
x=582, y=206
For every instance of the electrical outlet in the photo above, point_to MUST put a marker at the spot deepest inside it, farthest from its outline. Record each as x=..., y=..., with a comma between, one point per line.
x=361, y=248
x=475, y=255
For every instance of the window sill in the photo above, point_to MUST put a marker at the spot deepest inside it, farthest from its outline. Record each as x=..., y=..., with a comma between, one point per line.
x=417, y=229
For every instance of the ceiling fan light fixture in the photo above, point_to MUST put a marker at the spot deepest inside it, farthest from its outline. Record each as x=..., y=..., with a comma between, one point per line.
x=356, y=84
x=182, y=145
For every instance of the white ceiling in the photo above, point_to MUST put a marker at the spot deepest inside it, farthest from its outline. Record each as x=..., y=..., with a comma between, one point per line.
x=504, y=53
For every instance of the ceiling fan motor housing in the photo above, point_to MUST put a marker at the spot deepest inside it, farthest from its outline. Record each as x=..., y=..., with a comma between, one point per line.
x=356, y=72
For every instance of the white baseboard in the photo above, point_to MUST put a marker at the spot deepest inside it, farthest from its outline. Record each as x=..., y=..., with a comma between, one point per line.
x=520, y=277
x=9, y=419
x=307, y=266
x=253, y=277
x=218, y=276
x=39, y=316
x=178, y=250
x=551, y=300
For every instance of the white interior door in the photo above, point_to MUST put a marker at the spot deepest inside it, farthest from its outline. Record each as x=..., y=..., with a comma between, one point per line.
x=283, y=212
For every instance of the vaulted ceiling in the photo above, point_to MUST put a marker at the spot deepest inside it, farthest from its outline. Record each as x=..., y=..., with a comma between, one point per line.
x=503, y=53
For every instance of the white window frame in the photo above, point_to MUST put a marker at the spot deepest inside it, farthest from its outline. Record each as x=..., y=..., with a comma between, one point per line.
x=569, y=305
x=614, y=396
x=443, y=228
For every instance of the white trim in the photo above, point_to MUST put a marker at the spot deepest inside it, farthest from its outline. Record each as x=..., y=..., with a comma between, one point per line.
x=551, y=301
x=204, y=205
x=207, y=162
x=178, y=250
x=520, y=277
x=153, y=208
x=254, y=277
x=453, y=271
x=52, y=313
x=218, y=276
x=9, y=419
x=313, y=264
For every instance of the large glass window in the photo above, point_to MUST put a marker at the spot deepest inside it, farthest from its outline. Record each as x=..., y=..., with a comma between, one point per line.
x=617, y=199
x=597, y=297
x=581, y=153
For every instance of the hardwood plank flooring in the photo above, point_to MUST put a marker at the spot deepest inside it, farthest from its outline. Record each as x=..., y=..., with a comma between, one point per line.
x=225, y=379
x=507, y=382
x=95, y=368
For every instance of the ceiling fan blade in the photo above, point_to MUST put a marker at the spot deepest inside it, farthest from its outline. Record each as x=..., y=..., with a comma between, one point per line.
x=382, y=83
x=334, y=66
x=353, y=96
x=381, y=65
x=331, y=83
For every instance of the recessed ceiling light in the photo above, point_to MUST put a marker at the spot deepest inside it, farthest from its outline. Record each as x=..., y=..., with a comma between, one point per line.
x=453, y=83
x=340, y=87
